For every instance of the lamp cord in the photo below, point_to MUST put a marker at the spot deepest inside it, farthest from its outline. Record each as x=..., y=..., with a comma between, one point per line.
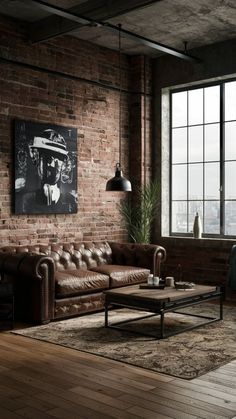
x=144, y=122
x=119, y=93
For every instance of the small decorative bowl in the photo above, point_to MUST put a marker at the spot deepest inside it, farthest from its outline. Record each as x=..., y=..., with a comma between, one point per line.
x=184, y=285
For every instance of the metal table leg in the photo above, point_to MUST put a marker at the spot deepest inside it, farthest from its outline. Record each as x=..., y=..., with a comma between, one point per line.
x=106, y=315
x=221, y=306
x=162, y=314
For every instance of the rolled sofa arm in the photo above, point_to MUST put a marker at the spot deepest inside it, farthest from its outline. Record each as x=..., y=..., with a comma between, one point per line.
x=148, y=256
x=33, y=276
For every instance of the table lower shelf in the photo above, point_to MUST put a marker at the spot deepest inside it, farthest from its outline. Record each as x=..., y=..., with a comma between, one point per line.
x=174, y=308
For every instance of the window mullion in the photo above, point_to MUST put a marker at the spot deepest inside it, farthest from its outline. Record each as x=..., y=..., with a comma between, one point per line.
x=170, y=171
x=222, y=158
x=203, y=163
x=187, y=161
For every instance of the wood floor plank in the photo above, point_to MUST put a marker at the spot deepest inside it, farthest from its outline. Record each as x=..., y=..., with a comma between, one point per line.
x=37, y=384
x=166, y=391
x=68, y=406
x=175, y=408
x=31, y=413
x=184, y=407
x=75, y=378
x=34, y=402
x=12, y=383
x=147, y=414
x=224, y=376
x=214, y=392
x=142, y=375
x=68, y=400
x=46, y=349
x=109, y=379
x=161, y=406
x=200, y=382
x=205, y=409
x=11, y=404
x=199, y=395
x=60, y=413
x=103, y=398
x=9, y=392
x=219, y=380
x=7, y=414
x=42, y=380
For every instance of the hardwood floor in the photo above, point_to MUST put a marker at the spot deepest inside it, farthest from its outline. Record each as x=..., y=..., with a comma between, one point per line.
x=39, y=380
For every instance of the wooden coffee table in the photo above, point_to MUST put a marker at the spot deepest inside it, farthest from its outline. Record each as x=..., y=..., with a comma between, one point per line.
x=159, y=302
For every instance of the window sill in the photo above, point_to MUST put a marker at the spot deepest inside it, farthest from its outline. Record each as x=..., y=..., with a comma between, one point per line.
x=203, y=241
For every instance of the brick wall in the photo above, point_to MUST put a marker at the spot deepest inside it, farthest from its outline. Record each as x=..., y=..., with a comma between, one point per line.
x=62, y=81
x=47, y=83
x=201, y=261
x=141, y=120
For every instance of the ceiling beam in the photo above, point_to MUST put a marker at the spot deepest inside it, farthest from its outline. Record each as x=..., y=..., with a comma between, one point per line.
x=56, y=25
x=150, y=43
x=88, y=21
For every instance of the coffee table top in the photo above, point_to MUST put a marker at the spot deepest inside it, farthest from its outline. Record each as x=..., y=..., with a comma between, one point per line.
x=166, y=295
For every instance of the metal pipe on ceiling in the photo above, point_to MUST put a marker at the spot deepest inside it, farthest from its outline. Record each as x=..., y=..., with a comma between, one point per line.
x=108, y=26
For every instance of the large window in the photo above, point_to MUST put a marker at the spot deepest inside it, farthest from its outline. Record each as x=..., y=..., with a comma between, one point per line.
x=203, y=159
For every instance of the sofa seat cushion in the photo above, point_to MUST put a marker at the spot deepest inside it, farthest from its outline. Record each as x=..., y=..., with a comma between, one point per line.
x=78, y=282
x=121, y=275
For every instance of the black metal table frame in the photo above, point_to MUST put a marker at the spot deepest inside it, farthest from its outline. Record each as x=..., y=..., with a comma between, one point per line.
x=166, y=308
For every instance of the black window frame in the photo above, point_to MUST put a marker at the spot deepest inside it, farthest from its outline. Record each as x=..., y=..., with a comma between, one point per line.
x=221, y=83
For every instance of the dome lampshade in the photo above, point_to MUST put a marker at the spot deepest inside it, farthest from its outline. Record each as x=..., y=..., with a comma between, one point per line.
x=118, y=182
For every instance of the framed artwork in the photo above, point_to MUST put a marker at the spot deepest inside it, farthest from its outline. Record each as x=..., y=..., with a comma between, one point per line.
x=45, y=168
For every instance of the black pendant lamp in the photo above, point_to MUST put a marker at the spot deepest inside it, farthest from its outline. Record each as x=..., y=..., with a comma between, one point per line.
x=118, y=182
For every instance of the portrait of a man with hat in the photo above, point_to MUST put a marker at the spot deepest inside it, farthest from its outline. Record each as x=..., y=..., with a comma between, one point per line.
x=45, y=167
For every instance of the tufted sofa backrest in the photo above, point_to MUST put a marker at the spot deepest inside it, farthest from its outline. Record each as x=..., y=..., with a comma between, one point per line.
x=137, y=254
x=83, y=255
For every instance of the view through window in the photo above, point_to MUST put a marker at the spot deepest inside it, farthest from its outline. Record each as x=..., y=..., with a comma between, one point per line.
x=203, y=159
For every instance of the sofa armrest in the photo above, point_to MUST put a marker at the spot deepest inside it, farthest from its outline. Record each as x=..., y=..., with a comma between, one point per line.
x=148, y=256
x=33, y=276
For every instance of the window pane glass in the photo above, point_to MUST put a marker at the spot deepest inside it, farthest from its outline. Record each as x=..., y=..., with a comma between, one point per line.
x=179, y=145
x=196, y=158
x=179, y=109
x=194, y=207
x=212, y=181
x=179, y=182
x=230, y=176
x=230, y=101
x=212, y=217
x=196, y=144
x=179, y=217
x=230, y=140
x=195, y=104
x=196, y=181
x=230, y=218
x=212, y=104
x=212, y=142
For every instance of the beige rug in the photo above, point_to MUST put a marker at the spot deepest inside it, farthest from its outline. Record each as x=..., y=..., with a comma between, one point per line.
x=186, y=355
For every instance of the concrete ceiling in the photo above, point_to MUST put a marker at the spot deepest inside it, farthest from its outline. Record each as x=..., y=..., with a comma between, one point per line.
x=168, y=22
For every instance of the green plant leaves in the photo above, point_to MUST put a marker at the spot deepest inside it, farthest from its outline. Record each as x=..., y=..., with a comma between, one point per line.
x=138, y=218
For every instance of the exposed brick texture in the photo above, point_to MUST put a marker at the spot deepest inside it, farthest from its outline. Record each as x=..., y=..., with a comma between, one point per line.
x=141, y=120
x=57, y=92
x=48, y=95
x=200, y=262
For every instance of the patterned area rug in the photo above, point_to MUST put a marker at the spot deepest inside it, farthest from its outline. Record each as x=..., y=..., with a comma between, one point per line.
x=187, y=355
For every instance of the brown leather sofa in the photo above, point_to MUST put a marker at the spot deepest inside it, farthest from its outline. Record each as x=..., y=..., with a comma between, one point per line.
x=56, y=281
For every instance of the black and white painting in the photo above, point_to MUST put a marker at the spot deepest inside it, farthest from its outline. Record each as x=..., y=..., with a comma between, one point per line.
x=45, y=168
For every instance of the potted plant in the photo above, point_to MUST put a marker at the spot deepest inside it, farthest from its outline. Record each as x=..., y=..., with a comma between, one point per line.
x=139, y=217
